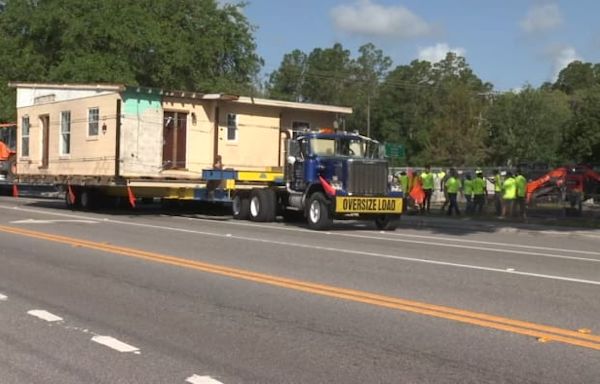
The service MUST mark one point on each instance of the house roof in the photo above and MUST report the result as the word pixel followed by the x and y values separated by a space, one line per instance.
pixel 97 87
pixel 189 95
pixel 293 105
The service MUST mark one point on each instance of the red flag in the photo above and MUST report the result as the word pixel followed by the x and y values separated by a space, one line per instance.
pixel 131 197
pixel 327 187
pixel 70 194
pixel 15 191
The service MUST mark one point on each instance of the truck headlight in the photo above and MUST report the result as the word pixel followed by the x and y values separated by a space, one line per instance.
pixel 336 183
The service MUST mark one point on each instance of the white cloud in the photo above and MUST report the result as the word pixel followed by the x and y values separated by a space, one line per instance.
pixel 541 18
pixel 366 17
pixel 562 57
pixel 438 52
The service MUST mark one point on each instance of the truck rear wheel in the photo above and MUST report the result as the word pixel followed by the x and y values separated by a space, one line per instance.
pixel 318 214
pixel 263 205
pixel 240 207
pixel 387 222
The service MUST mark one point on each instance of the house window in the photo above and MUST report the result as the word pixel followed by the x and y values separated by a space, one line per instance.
pixel 298 127
pixel 93 121
pixel 25 136
pixel 231 127
pixel 65 133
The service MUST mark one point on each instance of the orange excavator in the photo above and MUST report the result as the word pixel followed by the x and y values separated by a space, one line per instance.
pixel 574 184
pixel 8 143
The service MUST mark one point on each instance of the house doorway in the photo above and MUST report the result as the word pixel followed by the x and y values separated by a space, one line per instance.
pixel 174 140
pixel 45 124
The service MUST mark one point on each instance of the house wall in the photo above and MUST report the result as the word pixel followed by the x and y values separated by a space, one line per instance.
pixel 317 119
pixel 141 141
pixel 200 130
pixel 257 143
pixel 88 155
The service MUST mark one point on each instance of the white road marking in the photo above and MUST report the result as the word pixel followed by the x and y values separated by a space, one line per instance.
pixel 44 315
pixel 372 254
pixel 35 221
pixel 196 379
pixel 2 297
pixel 115 344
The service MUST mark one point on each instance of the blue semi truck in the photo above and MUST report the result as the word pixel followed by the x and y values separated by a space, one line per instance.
pixel 328 175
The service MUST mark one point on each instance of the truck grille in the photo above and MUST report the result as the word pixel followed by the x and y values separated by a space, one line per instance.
pixel 367 177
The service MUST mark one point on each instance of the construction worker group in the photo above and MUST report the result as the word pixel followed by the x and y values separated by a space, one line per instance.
pixel 509 191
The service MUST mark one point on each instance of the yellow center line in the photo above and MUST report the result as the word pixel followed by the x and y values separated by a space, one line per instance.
pixel 539 331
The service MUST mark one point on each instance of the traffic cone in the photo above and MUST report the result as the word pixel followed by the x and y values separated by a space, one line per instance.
pixel 15 191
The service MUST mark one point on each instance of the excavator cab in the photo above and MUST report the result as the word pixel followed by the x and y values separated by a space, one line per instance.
pixel 8 146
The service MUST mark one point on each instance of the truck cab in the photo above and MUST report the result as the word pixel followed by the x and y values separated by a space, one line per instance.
pixel 332 174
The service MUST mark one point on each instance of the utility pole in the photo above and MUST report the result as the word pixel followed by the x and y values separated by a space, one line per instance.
pixel 369 113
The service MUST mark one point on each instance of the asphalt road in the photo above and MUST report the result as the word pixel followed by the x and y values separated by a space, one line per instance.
pixel 158 297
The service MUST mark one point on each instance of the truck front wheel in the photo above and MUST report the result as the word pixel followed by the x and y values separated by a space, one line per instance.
pixel 387 222
pixel 318 214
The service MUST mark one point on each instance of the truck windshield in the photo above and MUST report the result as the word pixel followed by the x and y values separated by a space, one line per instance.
pixel 345 146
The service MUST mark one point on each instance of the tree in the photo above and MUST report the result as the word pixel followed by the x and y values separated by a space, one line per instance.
pixel 332 76
pixel 187 44
pixel 528 126
pixel 435 111
pixel 287 83
pixel 577 75
pixel 582 135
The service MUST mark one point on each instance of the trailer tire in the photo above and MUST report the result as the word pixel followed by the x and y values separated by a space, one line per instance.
pixel 387 222
pixel 86 199
pixel 263 205
pixel 317 212
pixel 240 207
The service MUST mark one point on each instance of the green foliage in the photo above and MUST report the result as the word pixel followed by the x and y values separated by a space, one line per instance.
pixel 332 76
pixel 435 111
pixel 173 44
pixel 528 127
pixel 582 135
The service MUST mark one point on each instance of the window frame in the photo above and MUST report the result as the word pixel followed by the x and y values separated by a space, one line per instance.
pixel 231 128
pixel 25 135
pixel 65 116
pixel 90 122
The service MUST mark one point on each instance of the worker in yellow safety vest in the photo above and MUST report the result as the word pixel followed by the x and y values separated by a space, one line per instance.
pixel 453 186
pixel 479 192
pixel 521 192
pixel 509 194
pixel 498 180
pixel 468 193
pixel 427 181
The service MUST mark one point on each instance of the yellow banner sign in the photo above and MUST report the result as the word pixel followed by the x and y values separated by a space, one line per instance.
pixel 349 204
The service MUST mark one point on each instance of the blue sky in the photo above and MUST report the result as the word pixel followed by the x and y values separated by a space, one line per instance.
pixel 509 43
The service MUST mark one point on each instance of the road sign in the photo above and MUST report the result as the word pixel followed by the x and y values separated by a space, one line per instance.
pixel 394 150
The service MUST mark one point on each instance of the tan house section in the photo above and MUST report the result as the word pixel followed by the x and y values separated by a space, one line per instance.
pixel 117 131
pixel 67 131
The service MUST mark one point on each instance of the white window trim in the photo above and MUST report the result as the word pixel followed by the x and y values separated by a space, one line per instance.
pixel 61 151
pixel 87 133
pixel 28 136
pixel 235 140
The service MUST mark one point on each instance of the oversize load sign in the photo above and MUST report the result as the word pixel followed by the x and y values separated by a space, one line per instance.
pixel 345 204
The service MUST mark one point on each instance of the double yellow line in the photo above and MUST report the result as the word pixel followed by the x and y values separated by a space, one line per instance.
pixel 541 332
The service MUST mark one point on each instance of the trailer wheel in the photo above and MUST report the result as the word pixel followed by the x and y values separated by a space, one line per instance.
pixel 263 205
pixel 318 214
pixel 86 199
pixel 387 222
pixel 240 207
